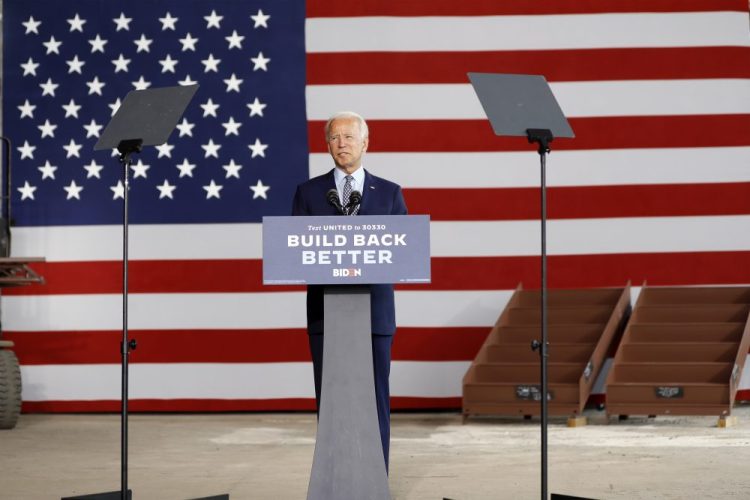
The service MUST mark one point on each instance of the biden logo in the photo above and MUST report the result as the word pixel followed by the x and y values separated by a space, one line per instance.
pixel 347 272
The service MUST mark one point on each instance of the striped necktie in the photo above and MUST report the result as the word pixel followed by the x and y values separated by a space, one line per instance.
pixel 347 193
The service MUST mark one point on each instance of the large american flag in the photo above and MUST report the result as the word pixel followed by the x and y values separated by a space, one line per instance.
pixel 656 185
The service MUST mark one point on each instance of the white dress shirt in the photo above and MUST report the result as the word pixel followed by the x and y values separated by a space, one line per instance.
pixel 358 183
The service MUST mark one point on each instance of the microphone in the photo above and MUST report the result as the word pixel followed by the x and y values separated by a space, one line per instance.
pixel 333 198
pixel 354 199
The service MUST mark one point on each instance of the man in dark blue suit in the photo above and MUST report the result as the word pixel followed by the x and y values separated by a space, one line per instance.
pixel 347 136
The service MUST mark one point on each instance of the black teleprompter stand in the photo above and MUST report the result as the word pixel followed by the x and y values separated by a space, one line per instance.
pixel 145 118
pixel 523 105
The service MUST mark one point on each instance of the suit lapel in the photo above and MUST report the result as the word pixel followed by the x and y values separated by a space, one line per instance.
pixel 328 184
pixel 368 193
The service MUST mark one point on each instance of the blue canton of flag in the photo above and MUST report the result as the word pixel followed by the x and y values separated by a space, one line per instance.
pixel 238 152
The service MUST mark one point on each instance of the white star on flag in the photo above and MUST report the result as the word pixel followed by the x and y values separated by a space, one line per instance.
pixel 233 83
pixel 140 169
pixel 186 168
pixel 75 65
pixel 141 84
pixel 168 64
pixel 95 86
pixel 97 44
pixel 118 190
pixel 121 64
pixel 235 40
pixel 232 127
pixel 213 20
pixel 29 67
pixel 258 149
pixel 92 129
pixel 187 81
pixel 27 191
pixel 31 25
pixel 259 190
pixel 185 128
pixel 212 190
pixel 165 150
pixel 53 46
pixel 27 109
pixel 73 190
pixel 122 22
pixel 233 169
pixel 166 190
pixel 209 108
pixel 188 43
pixel 93 169
pixel 115 106
pixel 27 150
pixel 72 149
pixel 47 129
pixel 47 170
pixel 260 62
pixel 211 149
pixel 71 109
pixel 256 107
pixel 49 87
pixel 143 44
pixel 168 23
pixel 76 24
pixel 211 64
pixel 260 19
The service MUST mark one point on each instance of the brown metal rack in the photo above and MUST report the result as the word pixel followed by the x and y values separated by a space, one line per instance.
pixel 682 353
pixel 13 272
pixel 16 271
pixel 504 377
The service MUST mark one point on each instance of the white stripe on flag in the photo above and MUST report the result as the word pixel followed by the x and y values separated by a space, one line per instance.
pixel 556 32
pixel 213 311
pixel 564 168
pixel 230 381
pixel 447 238
pixel 221 381
pixel 147 242
pixel 591 236
pixel 577 99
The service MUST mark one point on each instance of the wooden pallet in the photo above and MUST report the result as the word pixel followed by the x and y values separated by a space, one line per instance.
pixel 682 352
pixel 504 379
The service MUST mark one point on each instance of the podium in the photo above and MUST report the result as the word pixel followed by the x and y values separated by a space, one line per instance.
pixel 346 254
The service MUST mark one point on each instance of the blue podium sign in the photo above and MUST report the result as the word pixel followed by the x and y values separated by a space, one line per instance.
pixel 338 250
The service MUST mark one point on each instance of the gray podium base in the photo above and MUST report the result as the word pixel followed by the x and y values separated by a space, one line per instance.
pixel 348 463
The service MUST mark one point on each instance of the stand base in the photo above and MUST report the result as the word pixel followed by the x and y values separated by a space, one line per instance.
pixel 109 495
pixel 557 496
pixel 117 495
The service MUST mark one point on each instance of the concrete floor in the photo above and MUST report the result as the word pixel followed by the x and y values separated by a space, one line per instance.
pixel 268 456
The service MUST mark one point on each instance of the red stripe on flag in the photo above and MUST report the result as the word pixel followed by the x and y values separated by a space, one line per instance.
pixel 590 271
pixel 227 346
pixel 219 405
pixel 162 346
pixel 660 200
pixel 170 405
pixel 448 273
pixel 346 8
pixel 591 133
pixel 151 276
pixel 555 65
pixel 227 405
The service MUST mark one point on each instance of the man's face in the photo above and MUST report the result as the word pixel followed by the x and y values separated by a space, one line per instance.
pixel 346 145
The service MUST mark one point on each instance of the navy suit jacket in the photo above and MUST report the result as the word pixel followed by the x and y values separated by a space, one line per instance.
pixel 379 197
